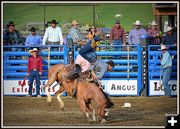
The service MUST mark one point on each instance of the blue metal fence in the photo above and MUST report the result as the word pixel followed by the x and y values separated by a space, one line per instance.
pixel 128 67
pixel 154 64
pixel 16 68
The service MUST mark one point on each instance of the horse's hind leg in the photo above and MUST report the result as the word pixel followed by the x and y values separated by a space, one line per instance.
pixel 46 87
pixel 58 96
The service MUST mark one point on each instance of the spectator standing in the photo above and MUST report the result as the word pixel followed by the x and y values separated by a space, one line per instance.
pixel 154 34
pixel 166 63
pixel 34 70
pixel 136 33
pixel 75 33
pixel 33 39
pixel 53 36
pixel 12 37
pixel 117 36
pixel 170 37
pixel 74 38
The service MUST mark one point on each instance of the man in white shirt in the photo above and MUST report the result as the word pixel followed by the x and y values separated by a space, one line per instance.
pixel 53 36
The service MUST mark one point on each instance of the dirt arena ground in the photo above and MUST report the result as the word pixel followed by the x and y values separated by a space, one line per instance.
pixel 33 111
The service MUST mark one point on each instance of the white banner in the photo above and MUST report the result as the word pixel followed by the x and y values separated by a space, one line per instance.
pixel 156 89
pixel 112 87
pixel 120 87
pixel 13 87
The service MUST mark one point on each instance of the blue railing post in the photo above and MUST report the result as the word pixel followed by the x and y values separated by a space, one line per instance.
pixel 66 51
pixel 139 69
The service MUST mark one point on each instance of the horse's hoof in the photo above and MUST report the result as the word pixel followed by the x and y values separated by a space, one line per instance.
pixel 103 121
pixel 62 109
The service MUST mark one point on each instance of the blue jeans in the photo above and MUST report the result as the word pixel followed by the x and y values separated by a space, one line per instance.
pixel 166 77
pixel 88 53
pixel 119 48
pixel 34 75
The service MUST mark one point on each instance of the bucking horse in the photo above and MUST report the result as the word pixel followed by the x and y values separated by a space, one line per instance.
pixel 85 92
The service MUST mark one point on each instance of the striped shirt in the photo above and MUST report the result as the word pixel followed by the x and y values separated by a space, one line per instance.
pixel 75 34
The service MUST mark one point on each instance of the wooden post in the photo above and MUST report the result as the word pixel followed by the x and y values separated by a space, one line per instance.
pixel 159 21
pixel 171 19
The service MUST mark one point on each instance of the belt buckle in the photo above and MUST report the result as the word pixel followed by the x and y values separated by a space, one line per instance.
pixel 34 69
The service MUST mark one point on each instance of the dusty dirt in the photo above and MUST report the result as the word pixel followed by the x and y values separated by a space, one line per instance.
pixel 33 111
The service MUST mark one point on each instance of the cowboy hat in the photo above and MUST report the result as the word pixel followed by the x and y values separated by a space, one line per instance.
pixel 137 23
pixel 153 23
pixel 54 22
pixel 11 23
pixel 33 50
pixel 33 29
pixel 163 47
pixel 74 22
pixel 126 105
pixel 169 28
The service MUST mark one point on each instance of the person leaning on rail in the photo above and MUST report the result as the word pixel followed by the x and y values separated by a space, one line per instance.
pixel 33 39
pixel 135 34
pixel 53 36
pixel 118 37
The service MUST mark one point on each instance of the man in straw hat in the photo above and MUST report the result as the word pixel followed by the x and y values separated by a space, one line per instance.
pixel 170 38
pixel 34 70
pixel 136 33
pixel 33 39
pixel 166 63
pixel 74 38
pixel 154 34
pixel 75 32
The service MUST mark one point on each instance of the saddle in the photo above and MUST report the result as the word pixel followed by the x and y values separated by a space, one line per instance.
pixel 75 73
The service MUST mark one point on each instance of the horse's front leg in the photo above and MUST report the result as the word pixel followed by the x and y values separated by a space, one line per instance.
pixel 58 96
pixel 93 112
pixel 84 108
